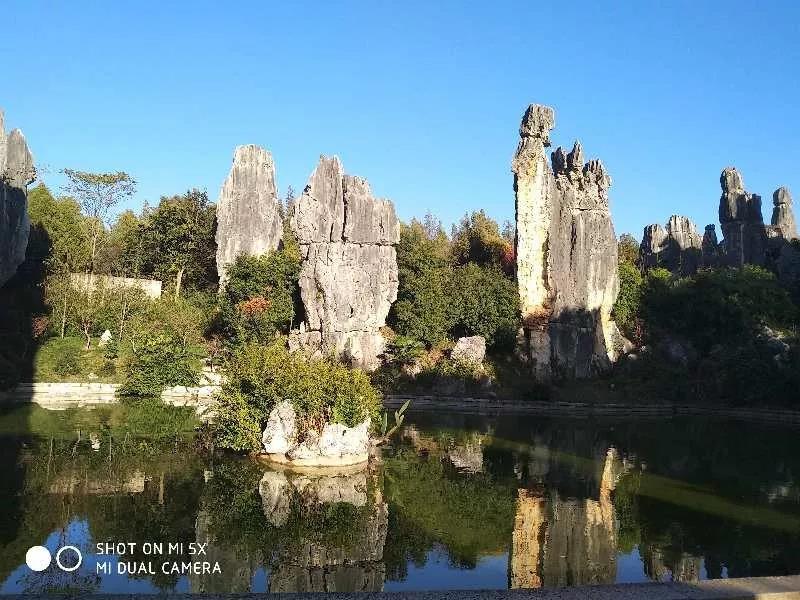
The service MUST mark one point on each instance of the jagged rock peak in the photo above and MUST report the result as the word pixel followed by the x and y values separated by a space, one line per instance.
pixel 559 160
pixel 537 122
pixel 575 158
pixel 248 210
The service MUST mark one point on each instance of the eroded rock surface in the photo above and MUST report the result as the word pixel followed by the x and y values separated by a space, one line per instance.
pixel 566 255
pixel 348 275
pixel 335 445
pixel 16 172
pixel 783 214
pixel 677 247
pixel 743 230
pixel 248 215
pixel 470 349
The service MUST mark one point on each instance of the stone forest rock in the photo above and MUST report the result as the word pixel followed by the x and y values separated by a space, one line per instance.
pixel 743 230
pixel 566 255
pixel 16 172
pixel 470 349
pixel 710 246
pixel 248 211
pixel 783 214
pixel 335 445
pixel 677 247
pixel 348 275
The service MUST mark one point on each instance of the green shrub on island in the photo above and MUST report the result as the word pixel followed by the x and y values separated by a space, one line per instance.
pixel 157 363
pixel 321 390
pixel 68 361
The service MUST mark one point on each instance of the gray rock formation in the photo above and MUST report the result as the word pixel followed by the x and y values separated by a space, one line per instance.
pixel 335 445
pixel 248 215
pixel 745 237
pixel 783 214
pixel 710 246
pixel 16 172
pixel 470 349
pixel 348 275
pixel 677 247
pixel 566 254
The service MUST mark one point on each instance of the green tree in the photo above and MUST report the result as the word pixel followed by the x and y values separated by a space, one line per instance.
pixel 477 239
pixel 483 301
pixel 97 194
pixel 627 308
pixel 628 249
pixel 176 240
pixel 421 310
pixel 122 252
pixel 58 239
pixel 260 294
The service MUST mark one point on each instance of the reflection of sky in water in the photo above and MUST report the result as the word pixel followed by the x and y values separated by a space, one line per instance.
pixel 439 574
pixel 77 534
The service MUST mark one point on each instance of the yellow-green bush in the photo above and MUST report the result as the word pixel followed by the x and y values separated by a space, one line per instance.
pixel 320 389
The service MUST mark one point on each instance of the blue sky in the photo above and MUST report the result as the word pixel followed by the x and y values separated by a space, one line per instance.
pixel 422 98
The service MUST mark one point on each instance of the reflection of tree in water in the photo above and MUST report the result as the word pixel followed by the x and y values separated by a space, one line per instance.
pixel 123 487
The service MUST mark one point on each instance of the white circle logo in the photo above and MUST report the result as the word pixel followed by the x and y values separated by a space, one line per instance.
pixel 73 567
pixel 38 558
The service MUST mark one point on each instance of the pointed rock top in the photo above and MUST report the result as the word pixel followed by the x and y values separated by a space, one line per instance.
pixel 575 157
pixel 559 160
pixel 537 122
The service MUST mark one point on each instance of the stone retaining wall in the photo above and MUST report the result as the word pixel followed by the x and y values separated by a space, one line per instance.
pixel 71 395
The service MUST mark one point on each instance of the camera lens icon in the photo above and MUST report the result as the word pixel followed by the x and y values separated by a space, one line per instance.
pixel 38 558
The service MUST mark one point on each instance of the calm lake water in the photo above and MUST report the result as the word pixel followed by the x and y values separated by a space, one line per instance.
pixel 456 502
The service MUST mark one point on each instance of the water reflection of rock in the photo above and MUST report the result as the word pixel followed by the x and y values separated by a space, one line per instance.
pixel 237 568
pixel 312 565
pixel 683 568
pixel 465 454
pixel 564 541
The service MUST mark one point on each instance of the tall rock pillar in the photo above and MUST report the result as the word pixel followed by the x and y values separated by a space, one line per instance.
pixel 348 274
pixel 745 237
pixel 16 172
pixel 566 254
pixel 248 215
pixel 783 214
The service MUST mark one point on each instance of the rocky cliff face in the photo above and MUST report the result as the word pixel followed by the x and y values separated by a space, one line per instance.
pixel 783 214
pixel 743 230
pixel 16 172
pixel 566 255
pixel 677 247
pixel 348 276
pixel 248 216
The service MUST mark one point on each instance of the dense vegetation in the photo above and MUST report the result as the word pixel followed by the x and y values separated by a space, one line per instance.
pixel 721 335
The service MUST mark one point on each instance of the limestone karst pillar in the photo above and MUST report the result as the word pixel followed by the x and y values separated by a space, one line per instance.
pixel 783 214
pixel 742 223
pixel 248 211
pixel 16 172
pixel 348 274
pixel 566 255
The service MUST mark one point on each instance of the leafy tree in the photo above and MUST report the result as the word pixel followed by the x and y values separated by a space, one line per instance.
pixel 483 301
pixel 97 194
pixel 122 252
pixel 477 240
pixel 628 305
pixel 176 240
pixel 421 310
pixel 260 294
pixel 628 249
pixel 58 237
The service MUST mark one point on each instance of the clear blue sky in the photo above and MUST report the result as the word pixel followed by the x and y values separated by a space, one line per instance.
pixel 422 98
